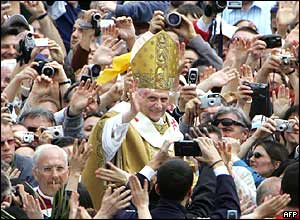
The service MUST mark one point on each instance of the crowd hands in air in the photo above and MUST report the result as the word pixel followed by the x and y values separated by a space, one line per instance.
pixel 66 138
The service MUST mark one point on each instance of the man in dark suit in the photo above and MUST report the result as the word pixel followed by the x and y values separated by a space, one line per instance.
pixel 174 185
pixel 22 163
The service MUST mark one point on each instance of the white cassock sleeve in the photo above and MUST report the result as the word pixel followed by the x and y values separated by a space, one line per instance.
pixel 114 133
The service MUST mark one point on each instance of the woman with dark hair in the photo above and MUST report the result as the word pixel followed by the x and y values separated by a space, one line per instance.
pixel 267 157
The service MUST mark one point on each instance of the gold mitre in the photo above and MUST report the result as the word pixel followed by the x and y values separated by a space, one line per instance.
pixel 155 64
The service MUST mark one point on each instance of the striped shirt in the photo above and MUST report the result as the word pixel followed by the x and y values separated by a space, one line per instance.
pixel 259 13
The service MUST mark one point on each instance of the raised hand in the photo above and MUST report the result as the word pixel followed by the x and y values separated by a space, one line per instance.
pixel 192 111
pixel 13 173
pixel 125 27
pixel 210 154
pixel 56 51
pixel 282 101
pixel 140 197
pixel 36 8
pixel 83 96
pixel 74 204
pixel 157 22
pixel 222 77
pixel 79 156
pixel 161 156
pixel 268 127
pixel 32 207
pixel 114 175
pixel 113 201
pixel 287 13
pixel 186 93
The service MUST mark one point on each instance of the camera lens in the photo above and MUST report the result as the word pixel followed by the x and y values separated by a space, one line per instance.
pixel 29 35
pixel 96 16
pixel 56 133
pixel 48 71
pixel 174 19
pixel 221 4
pixel 211 102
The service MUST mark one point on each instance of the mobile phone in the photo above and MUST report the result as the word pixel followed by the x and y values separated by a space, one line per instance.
pixel 232 214
pixel 187 148
pixel 41 42
pixel 272 40
pixel 193 76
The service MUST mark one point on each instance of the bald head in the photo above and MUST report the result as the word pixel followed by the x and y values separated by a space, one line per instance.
pixel 270 186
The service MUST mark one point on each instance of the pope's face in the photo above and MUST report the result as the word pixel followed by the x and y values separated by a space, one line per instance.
pixel 155 104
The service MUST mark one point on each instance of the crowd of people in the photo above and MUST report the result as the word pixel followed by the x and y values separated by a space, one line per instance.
pixel 149 109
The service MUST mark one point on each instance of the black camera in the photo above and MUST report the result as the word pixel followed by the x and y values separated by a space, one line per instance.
pixel 95 21
pixel 272 40
pixel 215 8
pixel 85 78
pixel 94 70
pixel 187 148
pixel 257 88
pixel 173 19
pixel 25 48
pixel 41 67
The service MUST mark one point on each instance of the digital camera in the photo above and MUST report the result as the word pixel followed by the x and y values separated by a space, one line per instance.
pixel 283 125
pixel 210 100
pixel 288 60
pixel 234 4
pixel 55 131
pixel 173 19
pixel 187 148
pixel 25 47
pixel 272 40
pixel 42 69
pixel 28 137
pixel 258 89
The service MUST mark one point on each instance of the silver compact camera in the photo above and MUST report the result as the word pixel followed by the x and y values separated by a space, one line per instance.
pixel 288 60
pixel 282 125
pixel 210 100
pixel 28 137
pixel 55 131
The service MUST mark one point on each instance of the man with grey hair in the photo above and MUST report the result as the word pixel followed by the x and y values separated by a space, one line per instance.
pixel 50 168
pixel 270 186
pixel 233 122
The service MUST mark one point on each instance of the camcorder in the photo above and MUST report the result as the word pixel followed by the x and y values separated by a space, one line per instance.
pixel 210 100
pixel 94 70
pixel 272 40
pixel 258 89
pixel 55 131
pixel 96 23
pixel 283 125
pixel 288 60
pixel 193 76
pixel 25 48
pixel 42 68
pixel 187 148
pixel 173 19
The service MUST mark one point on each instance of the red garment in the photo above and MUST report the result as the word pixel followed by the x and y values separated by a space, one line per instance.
pixel 203 34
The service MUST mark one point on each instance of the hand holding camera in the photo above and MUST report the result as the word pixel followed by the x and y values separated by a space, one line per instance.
pixel 210 154
pixel 186 27
pixel 191 111
pixel 157 22
pixel 126 27
pixel 268 128
pixel 210 100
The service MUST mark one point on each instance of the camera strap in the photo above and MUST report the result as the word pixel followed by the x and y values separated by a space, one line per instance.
pixel 220 39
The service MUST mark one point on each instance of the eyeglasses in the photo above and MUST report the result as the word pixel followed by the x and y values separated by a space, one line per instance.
pixel 227 122
pixel 8 141
pixel 49 169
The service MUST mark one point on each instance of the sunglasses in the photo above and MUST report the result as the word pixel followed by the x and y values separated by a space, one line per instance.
pixel 257 155
pixel 9 142
pixel 227 122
